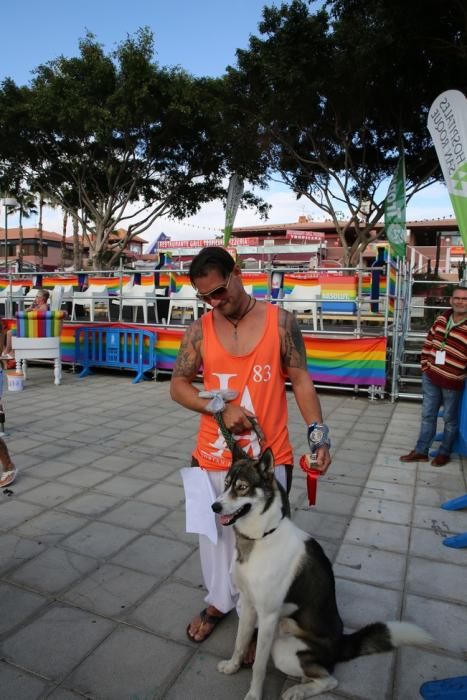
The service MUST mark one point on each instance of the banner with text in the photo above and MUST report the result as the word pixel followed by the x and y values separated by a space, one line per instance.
pixel 447 124
pixel 394 212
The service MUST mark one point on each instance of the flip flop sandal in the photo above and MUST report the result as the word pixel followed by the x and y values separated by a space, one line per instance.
pixel 206 618
pixel 8 477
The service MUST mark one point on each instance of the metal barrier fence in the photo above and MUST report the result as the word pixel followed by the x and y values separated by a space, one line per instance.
pixel 121 348
pixel 380 303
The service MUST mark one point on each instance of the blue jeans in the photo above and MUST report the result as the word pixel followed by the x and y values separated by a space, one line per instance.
pixel 433 398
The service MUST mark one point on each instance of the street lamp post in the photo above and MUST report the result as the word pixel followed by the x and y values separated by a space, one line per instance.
pixel 7 202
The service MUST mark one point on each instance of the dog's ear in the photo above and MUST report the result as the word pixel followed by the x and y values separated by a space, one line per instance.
pixel 237 452
pixel 266 462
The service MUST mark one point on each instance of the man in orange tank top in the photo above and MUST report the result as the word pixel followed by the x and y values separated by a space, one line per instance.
pixel 246 349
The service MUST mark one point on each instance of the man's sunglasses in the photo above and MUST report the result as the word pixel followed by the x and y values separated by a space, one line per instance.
pixel 217 292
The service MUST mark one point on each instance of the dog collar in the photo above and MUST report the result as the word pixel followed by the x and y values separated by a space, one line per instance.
pixel 265 534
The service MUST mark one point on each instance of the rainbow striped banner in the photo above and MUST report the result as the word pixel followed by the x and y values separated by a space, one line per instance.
pixel 147 280
pixel 338 293
pixel 366 285
pixel 164 279
pixel 330 361
pixel 52 282
pixel 259 283
pixel 350 361
pixel 307 281
pixel 178 281
pixel 112 283
pixel 366 288
pixel 167 347
pixel 15 284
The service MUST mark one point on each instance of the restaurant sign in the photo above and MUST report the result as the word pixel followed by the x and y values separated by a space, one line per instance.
pixel 308 236
pixel 169 245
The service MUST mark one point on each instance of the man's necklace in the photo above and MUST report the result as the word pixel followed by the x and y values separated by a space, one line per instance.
pixel 235 323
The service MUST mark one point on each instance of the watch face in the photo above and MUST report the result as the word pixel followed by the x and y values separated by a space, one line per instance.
pixel 316 435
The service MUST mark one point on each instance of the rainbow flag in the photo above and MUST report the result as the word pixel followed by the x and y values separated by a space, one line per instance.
pixel 164 279
pixel 178 281
pixel 350 361
pixel 338 293
pixel 15 284
pixel 259 283
pixel 310 281
pixel 366 285
pixel 52 282
pixel 147 280
pixel 112 283
pixel 167 347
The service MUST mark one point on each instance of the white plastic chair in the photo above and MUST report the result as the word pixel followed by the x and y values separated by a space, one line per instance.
pixel 56 298
pixel 302 299
pixel 137 297
pixel 17 297
pixel 37 347
pixel 184 299
pixel 95 294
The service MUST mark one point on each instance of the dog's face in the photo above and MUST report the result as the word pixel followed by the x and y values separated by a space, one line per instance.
pixel 249 486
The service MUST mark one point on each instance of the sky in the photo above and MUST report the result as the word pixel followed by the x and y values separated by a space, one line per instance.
pixel 201 36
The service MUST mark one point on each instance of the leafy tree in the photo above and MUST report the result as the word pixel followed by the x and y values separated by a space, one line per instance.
pixel 116 140
pixel 335 96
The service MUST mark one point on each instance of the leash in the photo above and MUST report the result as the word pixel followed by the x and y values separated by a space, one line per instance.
pixel 228 436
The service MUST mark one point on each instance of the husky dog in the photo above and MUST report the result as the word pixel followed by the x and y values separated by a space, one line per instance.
pixel 287 589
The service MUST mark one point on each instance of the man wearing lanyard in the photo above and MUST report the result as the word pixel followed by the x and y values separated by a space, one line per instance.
pixel 444 367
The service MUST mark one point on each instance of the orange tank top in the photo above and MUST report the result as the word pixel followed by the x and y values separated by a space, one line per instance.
pixel 260 382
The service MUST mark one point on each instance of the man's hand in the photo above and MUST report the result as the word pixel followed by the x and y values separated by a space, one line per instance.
pixel 323 459
pixel 235 418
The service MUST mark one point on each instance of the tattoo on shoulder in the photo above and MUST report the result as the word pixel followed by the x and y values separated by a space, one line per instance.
pixel 293 347
pixel 188 359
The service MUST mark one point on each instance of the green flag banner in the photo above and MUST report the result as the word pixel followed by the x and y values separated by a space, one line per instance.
pixel 447 124
pixel 234 195
pixel 394 212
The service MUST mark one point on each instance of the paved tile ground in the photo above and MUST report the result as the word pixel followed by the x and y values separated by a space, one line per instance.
pixel 98 579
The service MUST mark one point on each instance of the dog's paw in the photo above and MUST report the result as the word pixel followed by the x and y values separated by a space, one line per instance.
pixel 310 689
pixel 228 666
pixel 294 693
pixel 252 696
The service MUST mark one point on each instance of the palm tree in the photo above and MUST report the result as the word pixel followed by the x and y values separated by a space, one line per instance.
pixel 26 207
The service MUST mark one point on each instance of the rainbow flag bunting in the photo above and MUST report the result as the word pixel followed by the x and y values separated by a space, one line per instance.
pixel 52 282
pixel 350 361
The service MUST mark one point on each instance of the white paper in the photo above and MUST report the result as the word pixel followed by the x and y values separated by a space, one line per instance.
pixel 199 496
pixel 440 357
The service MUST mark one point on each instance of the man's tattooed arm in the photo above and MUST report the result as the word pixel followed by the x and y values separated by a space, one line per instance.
pixel 292 345
pixel 189 357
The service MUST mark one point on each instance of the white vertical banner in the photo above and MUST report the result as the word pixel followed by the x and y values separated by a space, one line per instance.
pixel 447 124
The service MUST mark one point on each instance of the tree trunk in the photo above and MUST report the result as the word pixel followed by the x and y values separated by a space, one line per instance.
pixel 64 227
pixel 77 258
pixel 20 252
pixel 41 234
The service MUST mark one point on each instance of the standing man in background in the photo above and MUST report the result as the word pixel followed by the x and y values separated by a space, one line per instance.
pixel 444 368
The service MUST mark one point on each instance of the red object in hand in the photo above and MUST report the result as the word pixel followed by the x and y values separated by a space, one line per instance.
pixel 312 475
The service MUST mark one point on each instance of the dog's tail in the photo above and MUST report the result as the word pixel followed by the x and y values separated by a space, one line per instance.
pixel 379 637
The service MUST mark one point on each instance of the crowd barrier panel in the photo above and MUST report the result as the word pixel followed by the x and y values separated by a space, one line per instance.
pixel 122 348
